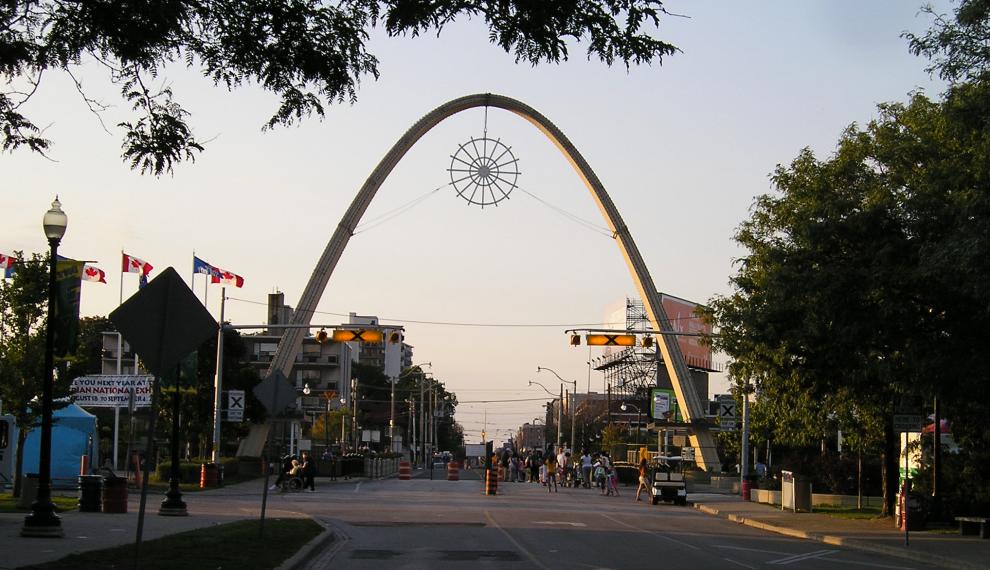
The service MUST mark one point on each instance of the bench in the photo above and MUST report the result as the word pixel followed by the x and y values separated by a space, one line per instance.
pixel 974 525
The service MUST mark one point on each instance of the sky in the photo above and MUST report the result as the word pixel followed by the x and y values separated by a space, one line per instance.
pixel 485 295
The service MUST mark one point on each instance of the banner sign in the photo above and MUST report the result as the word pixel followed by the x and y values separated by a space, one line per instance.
pixel 112 391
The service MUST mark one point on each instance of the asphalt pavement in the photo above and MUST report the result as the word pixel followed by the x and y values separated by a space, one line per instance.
pixel 426 523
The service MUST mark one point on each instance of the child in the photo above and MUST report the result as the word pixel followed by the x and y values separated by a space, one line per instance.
pixel 613 481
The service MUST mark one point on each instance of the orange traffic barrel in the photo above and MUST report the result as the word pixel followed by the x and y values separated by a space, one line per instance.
pixel 208 476
pixel 453 471
pixel 115 495
pixel 405 471
pixel 491 482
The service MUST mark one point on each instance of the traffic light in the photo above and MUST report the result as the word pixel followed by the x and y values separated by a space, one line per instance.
pixel 355 335
pixel 394 337
pixel 575 340
pixel 611 340
pixel 647 342
pixel 321 336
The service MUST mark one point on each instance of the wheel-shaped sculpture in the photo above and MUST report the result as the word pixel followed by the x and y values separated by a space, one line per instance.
pixel 484 171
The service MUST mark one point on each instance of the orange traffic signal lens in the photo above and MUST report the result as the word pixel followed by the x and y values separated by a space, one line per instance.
pixel 611 340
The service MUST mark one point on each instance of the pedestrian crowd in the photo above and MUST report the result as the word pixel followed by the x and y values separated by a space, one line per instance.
pixel 562 469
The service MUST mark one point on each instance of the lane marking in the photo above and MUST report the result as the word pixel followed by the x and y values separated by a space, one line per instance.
pixel 760 550
pixel 654 533
pixel 739 563
pixel 561 523
pixel 530 555
pixel 358 486
pixel 799 557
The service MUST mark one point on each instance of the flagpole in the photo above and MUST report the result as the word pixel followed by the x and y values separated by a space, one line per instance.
pixel 192 278
pixel 218 383
pixel 120 299
pixel 120 357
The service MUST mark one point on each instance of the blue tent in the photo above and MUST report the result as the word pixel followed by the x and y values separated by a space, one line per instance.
pixel 73 435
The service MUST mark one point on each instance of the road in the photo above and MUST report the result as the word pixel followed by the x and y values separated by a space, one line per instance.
pixel 444 524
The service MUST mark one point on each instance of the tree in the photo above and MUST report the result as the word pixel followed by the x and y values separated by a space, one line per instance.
pixel 309 52
pixel 866 277
pixel 957 47
pixel 23 324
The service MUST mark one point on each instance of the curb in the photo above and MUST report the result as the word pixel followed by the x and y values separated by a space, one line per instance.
pixel 853 543
pixel 302 558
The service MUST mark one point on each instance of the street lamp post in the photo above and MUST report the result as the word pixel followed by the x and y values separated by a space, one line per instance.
pixel 560 407
pixel 572 382
pixel 43 522
pixel 639 415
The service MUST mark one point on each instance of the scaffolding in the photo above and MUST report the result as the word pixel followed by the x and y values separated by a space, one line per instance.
pixel 632 372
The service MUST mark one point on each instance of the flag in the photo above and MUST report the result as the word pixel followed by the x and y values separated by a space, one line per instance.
pixel 142 281
pixel 200 266
pixel 92 273
pixel 134 265
pixel 7 265
pixel 226 278
pixel 68 274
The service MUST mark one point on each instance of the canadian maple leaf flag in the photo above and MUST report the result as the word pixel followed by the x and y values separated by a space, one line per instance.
pixel 91 273
pixel 226 277
pixel 132 264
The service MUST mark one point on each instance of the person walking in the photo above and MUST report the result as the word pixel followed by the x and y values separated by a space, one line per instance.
pixel 586 469
pixel 642 479
pixel 613 481
pixel 308 471
pixel 551 464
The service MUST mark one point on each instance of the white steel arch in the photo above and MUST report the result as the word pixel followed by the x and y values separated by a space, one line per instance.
pixel 693 407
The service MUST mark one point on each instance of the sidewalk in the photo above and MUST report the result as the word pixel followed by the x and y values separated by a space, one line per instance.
pixel 937 548
pixel 94 531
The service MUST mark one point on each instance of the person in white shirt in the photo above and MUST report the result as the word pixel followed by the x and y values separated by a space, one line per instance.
pixel 586 469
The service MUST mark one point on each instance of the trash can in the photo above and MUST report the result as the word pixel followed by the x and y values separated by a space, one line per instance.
pixel 115 495
pixel 90 490
pixel 208 476
pixel 29 491
pixel 795 492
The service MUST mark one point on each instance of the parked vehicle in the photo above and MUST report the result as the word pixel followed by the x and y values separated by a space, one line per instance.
pixel 667 481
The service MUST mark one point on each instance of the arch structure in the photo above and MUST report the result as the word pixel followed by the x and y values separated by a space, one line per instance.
pixel 693 407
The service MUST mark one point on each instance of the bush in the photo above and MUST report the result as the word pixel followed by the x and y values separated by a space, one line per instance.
pixel 188 472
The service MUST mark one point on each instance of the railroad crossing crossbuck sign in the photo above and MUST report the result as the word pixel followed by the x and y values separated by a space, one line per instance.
pixel 235 405
pixel 727 412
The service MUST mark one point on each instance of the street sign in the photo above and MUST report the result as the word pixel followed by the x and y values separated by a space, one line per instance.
pixel 275 393
pixel 611 339
pixel 908 422
pixel 235 405
pixel 163 322
pixel 727 412
pixel 687 454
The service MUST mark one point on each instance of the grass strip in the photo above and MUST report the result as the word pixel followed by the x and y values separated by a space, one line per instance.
pixel 234 545
pixel 865 513
pixel 8 504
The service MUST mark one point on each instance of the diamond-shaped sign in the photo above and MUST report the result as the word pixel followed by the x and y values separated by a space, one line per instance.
pixel 163 322
pixel 275 393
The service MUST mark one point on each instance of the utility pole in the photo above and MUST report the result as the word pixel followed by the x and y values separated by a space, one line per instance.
pixel 744 447
pixel 572 409
pixel 422 426
pixel 354 411
pixel 433 418
pixel 560 409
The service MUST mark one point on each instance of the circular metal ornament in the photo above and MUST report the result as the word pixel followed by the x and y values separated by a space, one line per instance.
pixel 484 171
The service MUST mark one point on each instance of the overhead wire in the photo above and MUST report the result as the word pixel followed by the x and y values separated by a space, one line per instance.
pixel 395 212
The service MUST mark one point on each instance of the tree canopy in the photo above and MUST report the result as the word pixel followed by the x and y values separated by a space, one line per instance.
pixel 310 53
pixel 866 277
